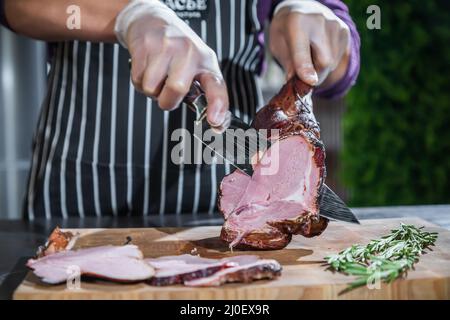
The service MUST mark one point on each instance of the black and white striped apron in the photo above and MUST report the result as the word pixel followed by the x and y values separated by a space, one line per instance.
pixel 101 148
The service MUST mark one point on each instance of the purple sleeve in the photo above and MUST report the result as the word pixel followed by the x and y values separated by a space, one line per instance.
pixel 265 9
pixel 340 88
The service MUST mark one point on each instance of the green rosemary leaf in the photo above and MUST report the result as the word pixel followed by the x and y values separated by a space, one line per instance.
pixel 384 259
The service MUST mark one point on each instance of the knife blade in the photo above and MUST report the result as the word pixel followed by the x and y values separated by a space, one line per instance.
pixel 196 101
pixel 331 206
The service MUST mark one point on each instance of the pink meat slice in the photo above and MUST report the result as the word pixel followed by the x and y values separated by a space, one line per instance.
pixel 178 269
pixel 179 261
pixel 247 271
pixel 263 211
pixel 295 176
pixel 233 186
pixel 117 263
pixel 260 202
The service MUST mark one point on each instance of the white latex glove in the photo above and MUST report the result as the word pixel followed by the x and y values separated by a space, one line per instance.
pixel 167 55
pixel 309 40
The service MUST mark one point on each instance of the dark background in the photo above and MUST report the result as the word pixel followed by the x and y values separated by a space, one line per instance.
pixel 397 124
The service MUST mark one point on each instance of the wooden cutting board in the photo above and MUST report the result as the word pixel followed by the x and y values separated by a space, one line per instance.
pixel 303 276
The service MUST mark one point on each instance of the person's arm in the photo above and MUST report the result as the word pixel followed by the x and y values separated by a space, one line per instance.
pixel 318 41
pixel 47 19
pixel 167 55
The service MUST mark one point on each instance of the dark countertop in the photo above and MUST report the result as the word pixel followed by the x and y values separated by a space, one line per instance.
pixel 20 239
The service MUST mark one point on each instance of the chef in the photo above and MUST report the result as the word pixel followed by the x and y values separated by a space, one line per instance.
pixel 103 140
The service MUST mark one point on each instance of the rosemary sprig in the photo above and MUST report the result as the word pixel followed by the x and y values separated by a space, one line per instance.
pixel 384 259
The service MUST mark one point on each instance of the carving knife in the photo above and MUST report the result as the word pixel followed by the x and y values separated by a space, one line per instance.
pixel 196 101
pixel 331 205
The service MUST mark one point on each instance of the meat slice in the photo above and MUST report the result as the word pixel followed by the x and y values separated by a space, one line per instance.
pixel 245 271
pixel 57 241
pixel 263 211
pixel 172 270
pixel 117 263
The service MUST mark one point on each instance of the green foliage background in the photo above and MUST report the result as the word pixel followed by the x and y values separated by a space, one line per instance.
pixel 397 124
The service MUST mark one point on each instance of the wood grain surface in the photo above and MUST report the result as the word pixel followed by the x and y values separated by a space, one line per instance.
pixel 303 276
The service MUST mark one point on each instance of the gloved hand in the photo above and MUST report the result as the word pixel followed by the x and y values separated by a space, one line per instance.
pixel 167 55
pixel 309 40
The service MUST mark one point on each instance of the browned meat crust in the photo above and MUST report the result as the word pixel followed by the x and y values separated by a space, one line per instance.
pixel 264 269
pixel 57 241
pixel 183 277
pixel 292 115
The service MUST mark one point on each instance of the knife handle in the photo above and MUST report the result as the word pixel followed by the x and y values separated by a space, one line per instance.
pixel 196 101
pixel 195 91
